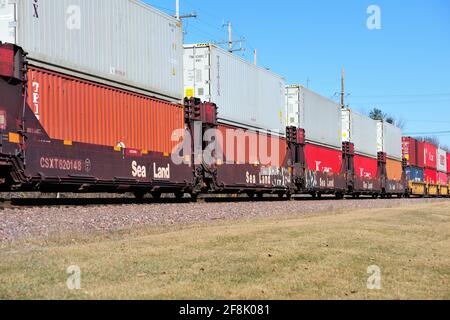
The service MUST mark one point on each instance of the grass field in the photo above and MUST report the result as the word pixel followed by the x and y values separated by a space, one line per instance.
pixel 322 256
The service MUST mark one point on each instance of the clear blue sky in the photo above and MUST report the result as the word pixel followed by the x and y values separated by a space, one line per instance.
pixel 404 68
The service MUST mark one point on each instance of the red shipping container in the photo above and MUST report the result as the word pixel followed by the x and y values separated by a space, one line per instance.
pixel 448 163
pixel 365 167
pixel 420 154
pixel 323 159
pixel 78 110
pixel 409 149
pixel 430 176
pixel 251 147
pixel 430 156
pixel 442 178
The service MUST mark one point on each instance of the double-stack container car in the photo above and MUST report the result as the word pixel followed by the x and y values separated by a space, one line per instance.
pixel 389 145
pixel 94 103
pixel 251 120
pixel 319 117
pixel 102 96
pixel 361 132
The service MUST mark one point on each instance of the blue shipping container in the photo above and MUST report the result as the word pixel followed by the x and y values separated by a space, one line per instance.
pixel 415 174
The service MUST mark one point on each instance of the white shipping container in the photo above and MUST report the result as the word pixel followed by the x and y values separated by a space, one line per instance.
pixel 361 131
pixel 318 116
pixel 389 140
pixel 442 160
pixel 121 41
pixel 246 95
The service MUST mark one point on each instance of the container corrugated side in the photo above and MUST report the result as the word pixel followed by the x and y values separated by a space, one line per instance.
pixel 246 95
pixel 389 140
pixel 323 159
pixel 409 146
pixel 252 147
pixel 394 169
pixel 414 174
pixel 448 162
pixel 81 111
pixel 319 116
pixel 430 155
pixel 442 160
pixel 365 167
pixel 361 131
pixel 125 41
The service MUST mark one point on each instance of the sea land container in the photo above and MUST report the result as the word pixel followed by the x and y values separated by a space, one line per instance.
pixel 320 117
pixel 431 176
pixel 247 96
pixel 409 150
pixel 361 131
pixel 441 160
pixel 73 109
pixel 389 140
pixel 121 43
pixel 414 174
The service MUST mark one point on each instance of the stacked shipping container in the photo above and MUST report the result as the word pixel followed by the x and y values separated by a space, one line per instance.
pixel 118 42
pixel 389 141
pixel 415 168
pixel 362 132
pixel 320 118
pixel 442 167
pixel 247 96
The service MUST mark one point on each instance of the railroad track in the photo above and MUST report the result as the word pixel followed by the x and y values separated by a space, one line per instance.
pixel 18 203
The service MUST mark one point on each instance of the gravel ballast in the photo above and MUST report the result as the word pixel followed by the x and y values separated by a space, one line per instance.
pixel 40 223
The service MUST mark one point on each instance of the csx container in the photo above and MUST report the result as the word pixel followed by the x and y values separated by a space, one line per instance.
pixel 319 116
pixel 246 95
pixel 441 160
pixel 414 174
pixel 77 110
pixel 122 41
pixel 361 131
pixel 389 140
pixel 409 150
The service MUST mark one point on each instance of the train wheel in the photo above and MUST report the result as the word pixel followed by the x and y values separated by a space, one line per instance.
pixel 375 196
pixel 179 195
pixel 156 195
pixel 339 195
pixel 194 197
pixel 251 194
pixel 139 195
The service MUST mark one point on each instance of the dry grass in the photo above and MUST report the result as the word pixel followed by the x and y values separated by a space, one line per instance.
pixel 324 256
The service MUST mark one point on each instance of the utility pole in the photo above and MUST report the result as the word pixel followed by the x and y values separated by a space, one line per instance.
pixel 177 12
pixel 255 57
pixel 230 37
pixel 343 88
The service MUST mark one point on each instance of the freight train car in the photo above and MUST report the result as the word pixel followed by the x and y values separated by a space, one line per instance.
pixel 83 111
pixel 61 133
pixel 320 146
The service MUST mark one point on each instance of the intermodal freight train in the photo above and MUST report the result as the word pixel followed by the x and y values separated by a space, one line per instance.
pixel 95 106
